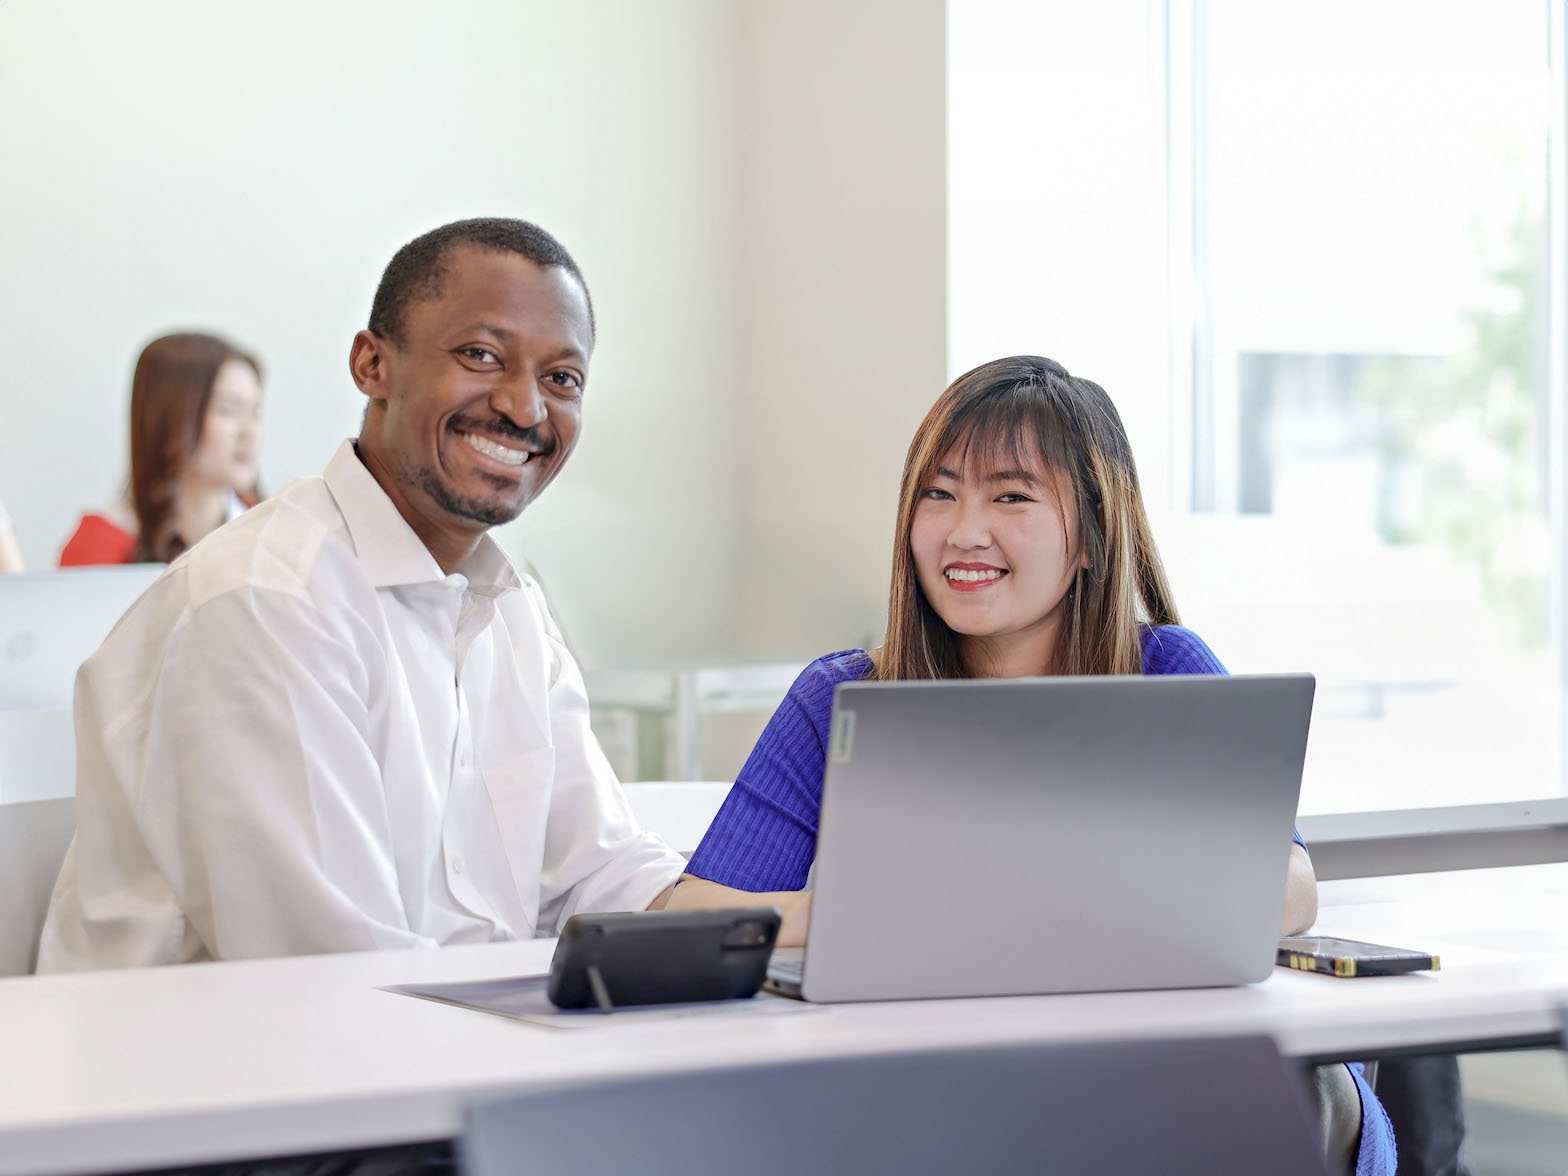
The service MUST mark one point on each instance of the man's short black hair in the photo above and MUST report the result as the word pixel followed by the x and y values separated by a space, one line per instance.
pixel 418 270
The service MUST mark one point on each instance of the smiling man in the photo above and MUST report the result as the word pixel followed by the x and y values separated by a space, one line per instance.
pixel 344 721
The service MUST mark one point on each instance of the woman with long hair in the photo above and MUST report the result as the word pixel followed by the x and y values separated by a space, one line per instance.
pixel 195 439
pixel 1022 548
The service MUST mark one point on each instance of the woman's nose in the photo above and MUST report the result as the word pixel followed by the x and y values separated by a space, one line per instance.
pixel 971 528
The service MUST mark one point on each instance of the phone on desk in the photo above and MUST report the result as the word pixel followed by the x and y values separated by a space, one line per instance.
pixel 1350 957
pixel 661 957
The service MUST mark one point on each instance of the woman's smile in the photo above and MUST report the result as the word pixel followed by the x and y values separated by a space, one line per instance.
pixel 972 577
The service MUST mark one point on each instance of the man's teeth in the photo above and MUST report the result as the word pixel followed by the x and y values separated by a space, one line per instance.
pixel 968 577
pixel 495 449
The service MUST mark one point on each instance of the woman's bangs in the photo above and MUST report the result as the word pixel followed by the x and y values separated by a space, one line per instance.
pixel 1010 429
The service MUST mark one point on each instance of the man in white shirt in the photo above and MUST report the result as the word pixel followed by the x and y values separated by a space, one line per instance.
pixel 344 721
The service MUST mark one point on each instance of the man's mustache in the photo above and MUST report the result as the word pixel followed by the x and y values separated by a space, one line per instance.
pixel 502 429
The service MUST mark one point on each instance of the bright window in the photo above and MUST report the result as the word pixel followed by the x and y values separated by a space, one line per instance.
pixel 1348 448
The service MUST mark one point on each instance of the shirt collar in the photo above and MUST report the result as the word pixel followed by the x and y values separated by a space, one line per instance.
pixel 387 546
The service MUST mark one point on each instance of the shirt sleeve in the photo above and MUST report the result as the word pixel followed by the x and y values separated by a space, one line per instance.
pixel 596 857
pixel 1172 649
pixel 236 788
pixel 765 834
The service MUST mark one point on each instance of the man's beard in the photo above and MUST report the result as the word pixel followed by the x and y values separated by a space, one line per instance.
pixel 490 513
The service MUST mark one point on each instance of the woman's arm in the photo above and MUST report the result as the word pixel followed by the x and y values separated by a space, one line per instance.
pixel 692 893
pixel 763 840
pixel 1301 894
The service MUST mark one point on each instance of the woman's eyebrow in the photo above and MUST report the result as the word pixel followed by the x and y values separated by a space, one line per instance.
pixel 1013 476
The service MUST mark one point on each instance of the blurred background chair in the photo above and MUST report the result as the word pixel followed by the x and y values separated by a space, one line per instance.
pixel 667 706
pixel 33 839
pixel 679 811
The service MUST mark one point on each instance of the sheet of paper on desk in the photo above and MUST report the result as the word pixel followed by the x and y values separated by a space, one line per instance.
pixel 522 998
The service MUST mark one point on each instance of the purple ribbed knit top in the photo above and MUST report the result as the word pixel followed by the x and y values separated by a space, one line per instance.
pixel 765 835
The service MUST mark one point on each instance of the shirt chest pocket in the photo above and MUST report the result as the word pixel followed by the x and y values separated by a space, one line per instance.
pixel 518 790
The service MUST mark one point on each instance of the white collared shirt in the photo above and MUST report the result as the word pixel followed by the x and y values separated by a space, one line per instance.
pixel 306 738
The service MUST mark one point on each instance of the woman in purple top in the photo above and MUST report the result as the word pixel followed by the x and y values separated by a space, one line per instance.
pixel 1022 549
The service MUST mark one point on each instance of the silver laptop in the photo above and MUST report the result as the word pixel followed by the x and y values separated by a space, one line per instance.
pixel 999 837
pixel 51 622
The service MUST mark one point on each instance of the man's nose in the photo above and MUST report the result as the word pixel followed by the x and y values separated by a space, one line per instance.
pixel 520 400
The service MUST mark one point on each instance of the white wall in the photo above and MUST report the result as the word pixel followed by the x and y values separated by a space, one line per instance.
pixel 1057 229
pixel 753 189
pixel 251 168
pixel 844 304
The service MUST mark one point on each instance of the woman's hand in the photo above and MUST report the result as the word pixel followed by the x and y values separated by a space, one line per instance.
pixel 1301 894
pixel 693 893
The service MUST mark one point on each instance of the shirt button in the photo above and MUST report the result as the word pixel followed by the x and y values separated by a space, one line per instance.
pixel 458 865
pixel 462 760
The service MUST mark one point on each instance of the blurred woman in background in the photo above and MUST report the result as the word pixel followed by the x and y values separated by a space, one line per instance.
pixel 10 553
pixel 195 441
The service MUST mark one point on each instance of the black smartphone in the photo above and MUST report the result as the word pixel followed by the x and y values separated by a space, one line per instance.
pixel 661 957
pixel 1350 957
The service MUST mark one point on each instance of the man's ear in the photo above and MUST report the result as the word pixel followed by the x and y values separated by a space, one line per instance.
pixel 367 364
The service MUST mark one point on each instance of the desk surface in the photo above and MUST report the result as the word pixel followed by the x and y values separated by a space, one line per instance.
pixel 217 1061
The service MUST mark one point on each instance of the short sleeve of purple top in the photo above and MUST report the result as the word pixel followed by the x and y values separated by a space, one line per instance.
pixel 765 835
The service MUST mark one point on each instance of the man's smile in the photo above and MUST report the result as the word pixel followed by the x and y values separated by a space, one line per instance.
pixel 507 453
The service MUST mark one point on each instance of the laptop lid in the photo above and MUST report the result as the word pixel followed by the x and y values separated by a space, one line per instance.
pixel 51 622
pixel 1179 1107
pixel 991 837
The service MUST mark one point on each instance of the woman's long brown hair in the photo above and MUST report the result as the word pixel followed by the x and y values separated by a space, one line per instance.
pixel 1016 413
pixel 169 396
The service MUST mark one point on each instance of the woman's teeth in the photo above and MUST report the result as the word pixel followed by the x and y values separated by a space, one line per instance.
pixel 966 576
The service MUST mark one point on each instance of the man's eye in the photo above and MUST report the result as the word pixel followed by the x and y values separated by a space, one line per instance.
pixel 480 354
pixel 565 379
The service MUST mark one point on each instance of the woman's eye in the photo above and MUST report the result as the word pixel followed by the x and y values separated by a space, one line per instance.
pixel 936 494
pixel 1013 496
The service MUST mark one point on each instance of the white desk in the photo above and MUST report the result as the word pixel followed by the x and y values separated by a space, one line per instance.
pixel 220 1061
